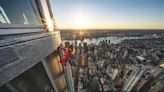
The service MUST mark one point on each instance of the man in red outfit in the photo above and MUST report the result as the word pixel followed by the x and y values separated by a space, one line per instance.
pixel 66 55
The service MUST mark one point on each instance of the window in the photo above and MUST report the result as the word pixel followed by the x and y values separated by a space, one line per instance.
pixel 57 71
pixel 61 83
pixel 4 89
pixel 66 90
pixel 33 80
pixel 54 64
pixel 19 12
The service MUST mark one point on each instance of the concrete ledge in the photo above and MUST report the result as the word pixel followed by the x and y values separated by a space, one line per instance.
pixel 24 53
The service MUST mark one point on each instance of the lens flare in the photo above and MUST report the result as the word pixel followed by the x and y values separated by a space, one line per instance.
pixel 50 24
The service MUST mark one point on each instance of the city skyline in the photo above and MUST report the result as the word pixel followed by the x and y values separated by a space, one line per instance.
pixel 108 14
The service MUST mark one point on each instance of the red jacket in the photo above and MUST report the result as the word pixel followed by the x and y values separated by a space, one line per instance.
pixel 66 56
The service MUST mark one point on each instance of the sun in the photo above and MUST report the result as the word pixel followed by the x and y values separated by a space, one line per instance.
pixel 80 21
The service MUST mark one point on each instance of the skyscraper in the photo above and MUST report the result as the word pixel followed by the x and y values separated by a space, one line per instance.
pixel 29 49
pixel 133 78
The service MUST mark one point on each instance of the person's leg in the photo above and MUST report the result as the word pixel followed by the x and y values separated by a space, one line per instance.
pixel 65 63
pixel 70 62
pixel 62 61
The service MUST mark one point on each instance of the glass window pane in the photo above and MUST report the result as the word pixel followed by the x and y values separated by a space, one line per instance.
pixel 4 89
pixel 33 80
pixel 19 12
pixel 61 83
pixel 54 64
pixel 66 90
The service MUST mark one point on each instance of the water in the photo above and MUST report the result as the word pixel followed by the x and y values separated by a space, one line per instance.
pixel 96 41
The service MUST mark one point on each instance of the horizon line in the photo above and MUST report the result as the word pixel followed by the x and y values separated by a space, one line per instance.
pixel 107 29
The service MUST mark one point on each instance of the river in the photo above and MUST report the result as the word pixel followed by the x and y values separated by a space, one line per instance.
pixel 113 39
